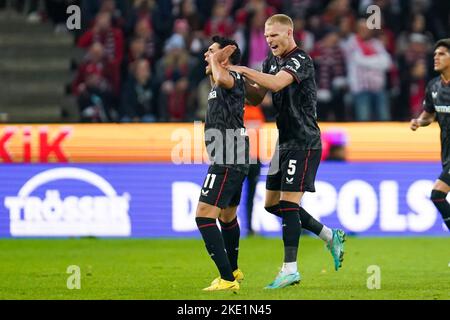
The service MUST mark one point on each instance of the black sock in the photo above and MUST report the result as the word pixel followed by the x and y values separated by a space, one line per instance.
pixel 309 223
pixel 307 220
pixel 215 247
pixel 274 210
pixel 291 229
pixel 441 203
pixel 230 234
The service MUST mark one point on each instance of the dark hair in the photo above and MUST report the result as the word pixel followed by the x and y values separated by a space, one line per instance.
pixel 235 58
pixel 443 43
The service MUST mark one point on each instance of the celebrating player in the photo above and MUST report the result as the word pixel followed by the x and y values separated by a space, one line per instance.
pixel 227 145
pixel 437 104
pixel 289 73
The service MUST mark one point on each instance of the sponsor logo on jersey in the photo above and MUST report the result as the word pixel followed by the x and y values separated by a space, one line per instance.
pixel 301 57
pixel 297 63
pixel 212 95
pixel 291 68
pixel 273 68
pixel 205 193
pixel 443 109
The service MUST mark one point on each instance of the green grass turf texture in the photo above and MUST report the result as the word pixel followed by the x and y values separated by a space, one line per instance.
pixel 411 268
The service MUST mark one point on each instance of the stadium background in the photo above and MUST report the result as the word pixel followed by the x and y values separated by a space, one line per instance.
pixel 378 183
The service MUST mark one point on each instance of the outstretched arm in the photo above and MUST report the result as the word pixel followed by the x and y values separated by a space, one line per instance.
pixel 254 93
pixel 425 119
pixel 219 73
pixel 221 76
pixel 271 82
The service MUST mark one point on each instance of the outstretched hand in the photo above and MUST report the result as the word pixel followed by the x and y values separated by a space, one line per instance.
pixel 415 124
pixel 224 53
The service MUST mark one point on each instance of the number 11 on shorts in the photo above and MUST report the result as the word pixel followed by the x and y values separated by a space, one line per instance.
pixel 210 178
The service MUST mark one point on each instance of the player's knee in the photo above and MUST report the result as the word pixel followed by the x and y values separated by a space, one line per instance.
pixel 205 211
pixel 228 215
pixel 201 212
pixel 275 209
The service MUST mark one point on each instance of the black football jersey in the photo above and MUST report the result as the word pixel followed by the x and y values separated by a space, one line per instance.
pixel 296 104
pixel 226 138
pixel 437 100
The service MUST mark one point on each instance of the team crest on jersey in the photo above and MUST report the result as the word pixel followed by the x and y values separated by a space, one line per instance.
pixel 434 94
pixel 212 95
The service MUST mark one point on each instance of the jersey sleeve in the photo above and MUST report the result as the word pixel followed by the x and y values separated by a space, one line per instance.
pixel 428 104
pixel 237 77
pixel 300 67
pixel 238 81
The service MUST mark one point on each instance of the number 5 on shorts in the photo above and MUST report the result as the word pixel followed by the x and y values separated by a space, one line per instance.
pixel 291 167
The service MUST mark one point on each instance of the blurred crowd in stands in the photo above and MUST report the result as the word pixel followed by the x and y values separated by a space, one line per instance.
pixel 144 59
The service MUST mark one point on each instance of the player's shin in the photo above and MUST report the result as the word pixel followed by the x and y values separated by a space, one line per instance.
pixel 441 203
pixel 215 246
pixel 291 234
pixel 314 226
pixel 231 233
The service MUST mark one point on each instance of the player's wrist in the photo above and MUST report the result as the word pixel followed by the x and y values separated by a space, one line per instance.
pixel 423 122
pixel 245 71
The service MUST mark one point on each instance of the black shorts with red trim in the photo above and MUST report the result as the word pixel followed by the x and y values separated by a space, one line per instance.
pixel 222 187
pixel 445 175
pixel 293 170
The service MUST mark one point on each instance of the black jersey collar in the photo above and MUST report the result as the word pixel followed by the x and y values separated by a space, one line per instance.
pixel 287 55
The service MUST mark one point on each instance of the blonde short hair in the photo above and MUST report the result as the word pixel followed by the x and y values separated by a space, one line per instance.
pixel 281 19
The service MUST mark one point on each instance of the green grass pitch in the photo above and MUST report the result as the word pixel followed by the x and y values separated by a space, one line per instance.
pixel 411 268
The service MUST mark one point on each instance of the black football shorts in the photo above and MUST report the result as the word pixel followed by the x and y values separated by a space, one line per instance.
pixel 295 171
pixel 445 175
pixel 222 187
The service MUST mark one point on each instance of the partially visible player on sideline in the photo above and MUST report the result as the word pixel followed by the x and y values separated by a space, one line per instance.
pixel 222 187
pixel 289 73
pixel 437 105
